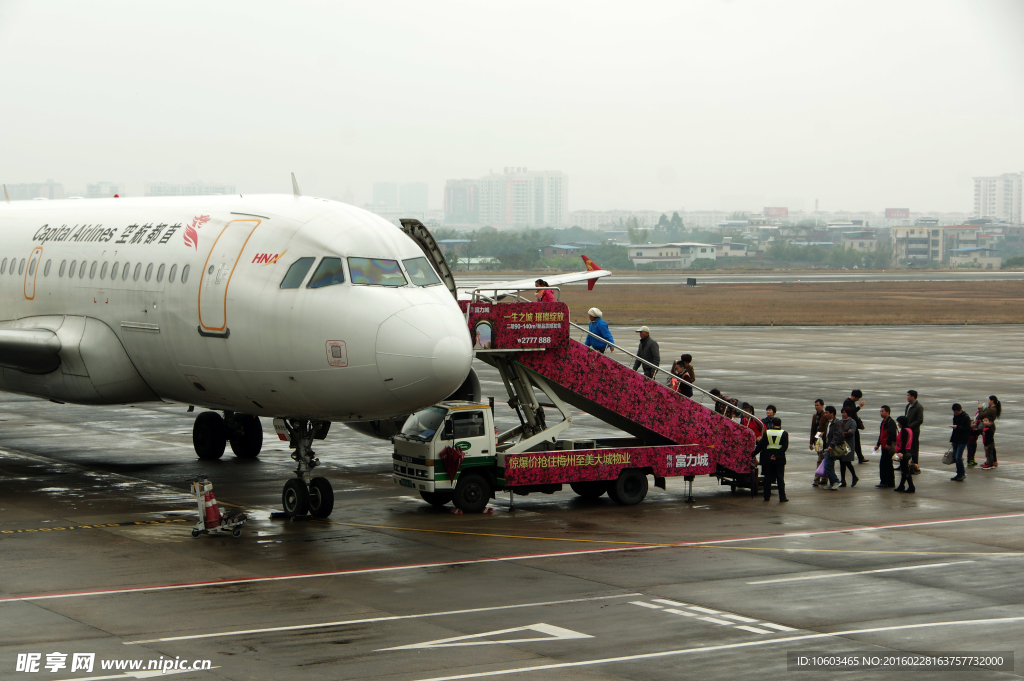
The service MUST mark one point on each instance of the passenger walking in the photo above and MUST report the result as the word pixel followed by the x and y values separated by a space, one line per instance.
pixel 773 446
pixel 648 351
pixel 904 444
pixel 915 417
pixel 993 410
pixel 988 439
pixel 817 422
pixel 544 294
pixel 852 405
pixel 598 327
pixel 846 430
pixel 682 370
pixel 886 447
pixel 958 439
pixel 827 435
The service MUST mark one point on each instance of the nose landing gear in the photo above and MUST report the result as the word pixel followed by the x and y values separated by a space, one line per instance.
pixel 304 493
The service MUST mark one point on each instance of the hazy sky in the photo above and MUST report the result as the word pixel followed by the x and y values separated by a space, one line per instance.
pixel 863 105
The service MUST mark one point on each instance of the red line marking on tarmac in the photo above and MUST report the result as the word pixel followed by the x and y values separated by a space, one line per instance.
pixel 475 561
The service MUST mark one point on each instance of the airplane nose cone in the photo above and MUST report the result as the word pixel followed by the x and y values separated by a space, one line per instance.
pixel 424 353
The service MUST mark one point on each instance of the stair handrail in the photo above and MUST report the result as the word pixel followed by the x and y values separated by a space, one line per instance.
pixel 718 400
pixel 513 291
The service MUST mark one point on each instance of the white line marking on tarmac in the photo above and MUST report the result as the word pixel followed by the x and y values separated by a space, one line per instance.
pixel 389 618
pixel 725 646
pixel 776 626
pixel 861 572
pixel 680 612
pixel 716 621
pixel 646 605
pixel 709 611
pixel 666 601
pixel 552 633
pixel 753 630
pixel 738 618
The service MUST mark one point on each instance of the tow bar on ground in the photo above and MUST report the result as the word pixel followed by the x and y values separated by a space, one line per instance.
pixel 210 517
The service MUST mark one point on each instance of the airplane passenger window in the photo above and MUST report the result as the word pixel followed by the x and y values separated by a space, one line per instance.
pixel 46 270
pixel 103 271
pixel 32 268
pixel 160 273
pixel 328 273
pixel 170 276
pixel 376 272
pixel 138 271
pixel 296 273
pixel 71 270
pixel 3 266
pixel 21 267
pixel 113 271
pixel 184 274
pixel 81 270
pixel 421 273
pixel 149 271
pixel 92 270
pixel 63 266
pixel 126 271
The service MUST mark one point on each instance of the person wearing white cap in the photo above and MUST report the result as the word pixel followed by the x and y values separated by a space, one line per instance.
pixel 647 351
pixel 598 327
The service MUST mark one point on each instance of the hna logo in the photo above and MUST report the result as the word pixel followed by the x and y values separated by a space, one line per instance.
pixel 267 258
pixel 191 235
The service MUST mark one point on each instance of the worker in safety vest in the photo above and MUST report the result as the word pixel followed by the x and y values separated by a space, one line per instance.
pixel 772 448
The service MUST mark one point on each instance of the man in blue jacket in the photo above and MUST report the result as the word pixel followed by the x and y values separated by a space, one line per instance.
pixel 598 327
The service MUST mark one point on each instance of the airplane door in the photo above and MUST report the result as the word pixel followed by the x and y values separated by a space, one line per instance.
pixel 217 272
pixel 31 271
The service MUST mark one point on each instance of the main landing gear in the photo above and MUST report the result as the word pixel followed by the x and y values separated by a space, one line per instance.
pixel 304 493
pixel 212 432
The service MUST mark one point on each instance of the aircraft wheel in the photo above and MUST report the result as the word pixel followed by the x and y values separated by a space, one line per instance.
pixel 438 499
pixel 208 435
pixel 472 493
pixel 589 489
pixel 321 497
pixel 248 444
pixel 630 488
pixel 295 498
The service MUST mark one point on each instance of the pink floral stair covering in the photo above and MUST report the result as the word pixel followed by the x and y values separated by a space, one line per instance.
pixel 630 401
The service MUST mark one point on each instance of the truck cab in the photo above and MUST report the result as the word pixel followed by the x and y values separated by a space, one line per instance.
pixel 438 442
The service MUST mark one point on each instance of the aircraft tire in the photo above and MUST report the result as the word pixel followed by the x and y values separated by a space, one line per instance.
pixel 589 489
pixel 321 497
pixel 250 442
pixel 295 498
pixel 208 436
pixel 630 488
pixel 472 493
pixel 438 499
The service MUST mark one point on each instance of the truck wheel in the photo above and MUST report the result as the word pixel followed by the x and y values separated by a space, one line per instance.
pixel 472 493
pixel 589 489
pixel 630 488
pixel 438 499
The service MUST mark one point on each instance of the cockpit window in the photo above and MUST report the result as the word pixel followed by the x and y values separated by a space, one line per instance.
pixel 296 273
pixel 376 272
pixel 423 424
pixel 420 271
pixel 328 273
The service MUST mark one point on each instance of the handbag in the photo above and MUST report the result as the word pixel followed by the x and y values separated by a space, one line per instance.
pixel 840 450
pixel 820 472
pixel 949 458
pixel 819 445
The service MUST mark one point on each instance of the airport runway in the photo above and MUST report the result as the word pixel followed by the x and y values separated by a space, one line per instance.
pixel 95 554
pixel 705 277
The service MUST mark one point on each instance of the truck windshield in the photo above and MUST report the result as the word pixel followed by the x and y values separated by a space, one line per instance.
pixel 423 424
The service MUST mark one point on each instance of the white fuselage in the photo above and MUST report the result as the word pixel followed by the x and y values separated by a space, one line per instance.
pixel 228 337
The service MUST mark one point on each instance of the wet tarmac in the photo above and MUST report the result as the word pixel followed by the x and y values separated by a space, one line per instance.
pixel 96 555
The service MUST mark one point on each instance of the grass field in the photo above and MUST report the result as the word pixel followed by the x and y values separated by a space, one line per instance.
pixel 827 304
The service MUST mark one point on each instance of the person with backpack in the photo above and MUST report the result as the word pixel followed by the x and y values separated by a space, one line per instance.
pixel 958 440
pixel 772 447
pixel 904 444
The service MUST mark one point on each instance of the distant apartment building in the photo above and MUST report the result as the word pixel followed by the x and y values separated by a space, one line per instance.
pixel 187 189
pixel 595 219
pixel 412 197
pixel 999 197
pixel 35 190
pixel 919 245
pixel 981 258
pixel 561 249
pixel 462 202
pixel 385 195
pixel 103 190
pixel 703 219
pixel 520 198
pixel 676 256
pixel 863 241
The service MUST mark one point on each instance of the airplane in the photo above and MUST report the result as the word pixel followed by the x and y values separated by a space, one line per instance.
pixel 290 307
